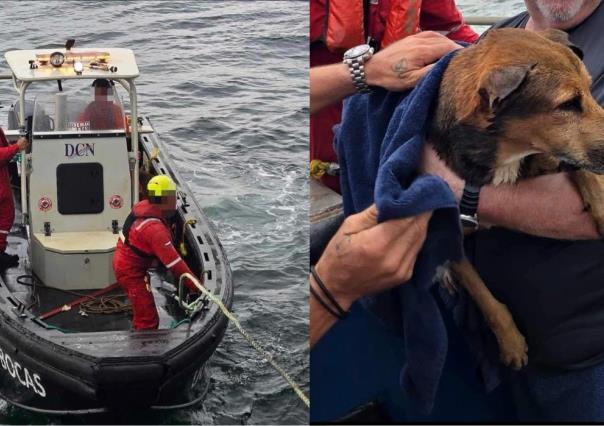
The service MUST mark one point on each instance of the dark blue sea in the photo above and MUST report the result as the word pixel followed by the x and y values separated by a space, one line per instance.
pixel 226 85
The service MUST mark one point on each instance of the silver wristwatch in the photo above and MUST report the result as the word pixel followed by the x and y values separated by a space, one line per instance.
pixel 356 58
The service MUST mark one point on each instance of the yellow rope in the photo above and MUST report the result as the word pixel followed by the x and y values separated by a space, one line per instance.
pixel 247 337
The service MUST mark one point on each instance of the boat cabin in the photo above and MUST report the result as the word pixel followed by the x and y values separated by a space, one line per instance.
pixel 80 176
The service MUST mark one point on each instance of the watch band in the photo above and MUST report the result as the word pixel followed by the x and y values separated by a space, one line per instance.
pixel 356 66
pixel 357 72
pixel 468 206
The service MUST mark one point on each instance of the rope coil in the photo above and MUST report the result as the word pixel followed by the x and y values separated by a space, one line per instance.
pixel 105 305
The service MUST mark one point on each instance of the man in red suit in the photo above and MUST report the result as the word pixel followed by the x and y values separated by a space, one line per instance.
pixel 7 206
pixel 145 240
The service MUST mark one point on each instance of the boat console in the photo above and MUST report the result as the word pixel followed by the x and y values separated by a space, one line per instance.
pixel 79 193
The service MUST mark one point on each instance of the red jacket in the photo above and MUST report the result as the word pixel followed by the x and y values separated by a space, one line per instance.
pixel 150 235
pixel 7 152
pixel 435 15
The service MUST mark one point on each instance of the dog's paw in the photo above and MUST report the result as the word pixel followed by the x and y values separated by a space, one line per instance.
pixel 514 350
pixel 512 345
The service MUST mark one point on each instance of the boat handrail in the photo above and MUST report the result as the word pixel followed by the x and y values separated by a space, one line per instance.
pixel 483 20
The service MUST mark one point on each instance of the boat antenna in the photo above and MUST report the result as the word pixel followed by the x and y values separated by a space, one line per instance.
pixel 69 44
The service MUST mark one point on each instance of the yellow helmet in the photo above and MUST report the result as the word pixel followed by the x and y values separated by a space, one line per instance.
pixel 160 186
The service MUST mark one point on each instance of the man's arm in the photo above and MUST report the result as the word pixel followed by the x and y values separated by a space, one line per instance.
pixel 163 248
pixel 545 206
pixel 7 153
pixel 398 67
pixel 362 258
pixel 329 84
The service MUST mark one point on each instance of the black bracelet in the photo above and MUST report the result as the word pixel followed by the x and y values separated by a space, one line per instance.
pixel 342 313
pixel 325 305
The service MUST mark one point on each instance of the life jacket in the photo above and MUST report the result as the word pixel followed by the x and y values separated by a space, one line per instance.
pixel 133 217
pixel 342 24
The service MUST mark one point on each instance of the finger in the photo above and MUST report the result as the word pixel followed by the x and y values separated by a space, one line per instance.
pixel 363 220
pixel 415 234
pixel 395 230
pixel 409 258
pixel 435 51
pixel 394 239
pixel 417 75
pixel 403 257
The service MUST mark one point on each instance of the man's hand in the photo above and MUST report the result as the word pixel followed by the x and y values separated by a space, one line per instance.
pixel 400 65
pixel 22 143
pixel 365 257
pixel 433 165
pixel 546 206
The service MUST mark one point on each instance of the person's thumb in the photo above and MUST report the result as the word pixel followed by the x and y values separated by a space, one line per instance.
pixel 363 220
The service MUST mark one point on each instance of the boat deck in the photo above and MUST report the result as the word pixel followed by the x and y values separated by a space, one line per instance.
pixel 40 298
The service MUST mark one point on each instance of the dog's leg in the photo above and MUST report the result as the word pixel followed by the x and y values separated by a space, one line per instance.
pixel 512 346
pixel 591 187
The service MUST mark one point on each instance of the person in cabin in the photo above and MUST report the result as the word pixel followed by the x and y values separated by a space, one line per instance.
pixel 102 113
pixel 335 32
pixel 145 240
pixel 7 206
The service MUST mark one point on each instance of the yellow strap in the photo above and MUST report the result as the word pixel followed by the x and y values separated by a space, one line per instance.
pixel 182 247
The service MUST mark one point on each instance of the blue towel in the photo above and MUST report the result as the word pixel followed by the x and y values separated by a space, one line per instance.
pixel 379 144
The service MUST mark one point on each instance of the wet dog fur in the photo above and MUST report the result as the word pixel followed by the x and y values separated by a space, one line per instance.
pixel 516 105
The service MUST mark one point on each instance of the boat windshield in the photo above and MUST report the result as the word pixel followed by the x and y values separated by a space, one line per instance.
pixel 78 112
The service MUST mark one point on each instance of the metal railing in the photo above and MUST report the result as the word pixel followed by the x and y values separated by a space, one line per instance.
pixel 483 20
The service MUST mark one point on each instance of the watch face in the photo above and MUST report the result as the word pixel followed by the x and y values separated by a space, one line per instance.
pixel 57 59
pixel 357 51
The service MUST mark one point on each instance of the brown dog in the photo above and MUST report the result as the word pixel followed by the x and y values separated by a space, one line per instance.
pixel 513 106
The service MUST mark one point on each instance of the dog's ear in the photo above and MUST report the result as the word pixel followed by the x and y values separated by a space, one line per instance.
pixel 561 37
pixel 500 83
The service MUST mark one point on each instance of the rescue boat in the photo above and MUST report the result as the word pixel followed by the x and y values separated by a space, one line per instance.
pixel 66 341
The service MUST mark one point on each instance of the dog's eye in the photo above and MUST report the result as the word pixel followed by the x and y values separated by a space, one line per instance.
pixel 573 104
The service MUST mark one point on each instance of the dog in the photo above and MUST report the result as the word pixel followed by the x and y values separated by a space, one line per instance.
pixel 517 105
